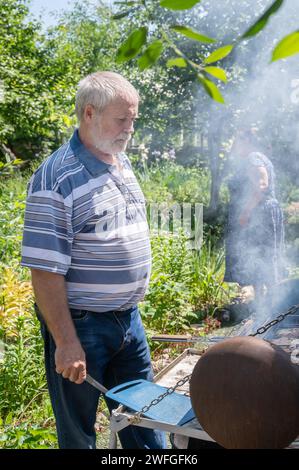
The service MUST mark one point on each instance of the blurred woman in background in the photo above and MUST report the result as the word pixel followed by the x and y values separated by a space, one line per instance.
pixel 255 231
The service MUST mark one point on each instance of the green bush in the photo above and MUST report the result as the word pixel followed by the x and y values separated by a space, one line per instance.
pixel 26 436
pixel 169 182
pixel 12 206
pixel 22 376
pixel 186 285
pixel 208 292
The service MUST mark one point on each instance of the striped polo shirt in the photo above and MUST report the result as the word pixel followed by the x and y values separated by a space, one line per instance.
pixel 86 219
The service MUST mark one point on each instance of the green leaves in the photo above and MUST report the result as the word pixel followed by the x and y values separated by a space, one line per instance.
pixel 132 45
pixel 216 72
pixel 192 34
pixel 151 55
pixel 219 54
pixel 288 46
pixel 27 436
pixel 211 89
pixel 263 20
pixel 178 4
pixel 176 62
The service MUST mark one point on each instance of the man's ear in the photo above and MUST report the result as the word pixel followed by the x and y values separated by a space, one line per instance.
pixel 88 112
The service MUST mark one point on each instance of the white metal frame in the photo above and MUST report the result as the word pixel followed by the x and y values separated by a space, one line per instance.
pixel 121 418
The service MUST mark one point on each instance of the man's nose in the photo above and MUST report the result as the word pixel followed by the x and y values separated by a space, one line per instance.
pixel 129 127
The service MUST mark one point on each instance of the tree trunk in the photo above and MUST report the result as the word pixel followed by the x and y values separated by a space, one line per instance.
pixel 214 139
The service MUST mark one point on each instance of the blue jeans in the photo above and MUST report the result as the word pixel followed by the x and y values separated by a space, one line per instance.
pixel 116 352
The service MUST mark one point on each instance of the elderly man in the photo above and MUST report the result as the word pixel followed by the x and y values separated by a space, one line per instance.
pixel 86 241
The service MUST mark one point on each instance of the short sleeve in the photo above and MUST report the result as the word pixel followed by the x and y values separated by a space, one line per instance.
pixel 48 236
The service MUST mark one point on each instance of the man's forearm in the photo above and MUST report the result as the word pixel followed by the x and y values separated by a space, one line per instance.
pixel 51 298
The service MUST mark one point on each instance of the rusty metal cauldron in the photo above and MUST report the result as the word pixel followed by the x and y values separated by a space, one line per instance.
pixel 245 394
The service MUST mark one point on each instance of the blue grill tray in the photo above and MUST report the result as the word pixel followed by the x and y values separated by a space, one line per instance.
pixel 173 409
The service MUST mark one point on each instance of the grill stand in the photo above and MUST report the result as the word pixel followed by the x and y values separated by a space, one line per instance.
pixel 121 418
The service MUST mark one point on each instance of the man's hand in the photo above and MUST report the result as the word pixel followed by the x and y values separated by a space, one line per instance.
pixel 51 298
pixel 70 361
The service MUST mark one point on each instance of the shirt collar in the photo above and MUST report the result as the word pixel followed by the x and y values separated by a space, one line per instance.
pixel 89 160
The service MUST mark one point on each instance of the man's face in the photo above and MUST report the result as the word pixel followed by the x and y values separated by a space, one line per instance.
pixel 112 128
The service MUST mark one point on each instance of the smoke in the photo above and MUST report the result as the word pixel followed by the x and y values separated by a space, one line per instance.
pixel 260 95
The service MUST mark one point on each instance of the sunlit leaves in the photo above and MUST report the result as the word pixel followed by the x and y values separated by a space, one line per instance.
pixel 211 89
pixel 151 55
pixel 219 54
pixel 216 72
pixel 178 4
pixel 192 34
pixel 288 46
pixel 176 62
pixel 263 20
pixel 132 45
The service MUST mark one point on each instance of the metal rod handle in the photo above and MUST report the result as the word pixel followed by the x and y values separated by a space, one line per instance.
pixel 96 384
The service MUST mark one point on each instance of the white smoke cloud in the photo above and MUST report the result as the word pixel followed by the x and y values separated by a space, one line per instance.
pixel 259 93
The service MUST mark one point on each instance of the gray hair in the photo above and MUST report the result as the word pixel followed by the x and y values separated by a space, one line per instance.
pixel 101 88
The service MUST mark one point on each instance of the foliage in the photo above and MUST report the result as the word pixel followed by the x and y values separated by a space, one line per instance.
pixel 159 37
pixel 10 167
pixel 22 380
pixel 263 20
pixel 39 75
pixel 208 292
pixel 169 182
pixel 22 377
pixel 288 46
pixel 167 305
pixel 26 71
pixel 186 285
pixel 15 297
pixel 161 25
pixel 225 22
pixel 12 205
pixel 26 436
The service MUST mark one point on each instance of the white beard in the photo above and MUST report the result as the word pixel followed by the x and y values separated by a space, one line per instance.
pixel 107 146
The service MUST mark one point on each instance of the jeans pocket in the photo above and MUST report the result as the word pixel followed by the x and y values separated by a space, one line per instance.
pixel 78 315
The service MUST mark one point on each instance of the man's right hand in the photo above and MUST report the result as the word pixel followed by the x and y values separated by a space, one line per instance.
pixel 70 361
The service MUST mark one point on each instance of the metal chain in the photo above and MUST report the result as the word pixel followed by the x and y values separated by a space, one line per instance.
pixel 137 416
pixel 281 317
